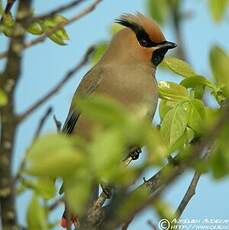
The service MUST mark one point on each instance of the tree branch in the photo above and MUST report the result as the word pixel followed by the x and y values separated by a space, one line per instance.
pixel 191 189
pixel 53 91
pixel 58 10
pixel 188 195
pixel 177 20
pixel 43 37
pixel 157 184
pixel 8 7
pixel 42 122
pixel 8 81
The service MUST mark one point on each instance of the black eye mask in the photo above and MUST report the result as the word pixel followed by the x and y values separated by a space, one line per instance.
pixel 142 36
pixel 144 40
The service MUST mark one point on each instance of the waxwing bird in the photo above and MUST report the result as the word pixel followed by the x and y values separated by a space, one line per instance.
pixel 126 72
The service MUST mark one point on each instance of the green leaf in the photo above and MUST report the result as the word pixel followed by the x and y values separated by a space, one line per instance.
pixel 196 117
pixel 219 163
pixel 165 106
pixel 219 158
pixel 46 187
pixel 172 91
pixel 179 67
pixel 60 36
pixel 7 24
pixel 198 84
pixel 174 123
pixel 110 146
pixel 181 143
pixel 36 218
pixel 77 190
pixel 54 155
pixel 158 10
pixel 3 98
pixel 105 110
pixel 219 61
pixel 1 8
pixel 156 147
pixel 164 210
pixel 35 28
pixel 99 51
pixel 218 9
pixel 195 81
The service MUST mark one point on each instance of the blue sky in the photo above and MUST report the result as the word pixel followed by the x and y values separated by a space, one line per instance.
pixel 45 64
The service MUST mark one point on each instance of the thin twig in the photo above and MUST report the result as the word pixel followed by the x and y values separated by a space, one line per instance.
pixel 62 24
pixel 152 225
pixel 42 122
pixel 188 195
pixel 58 10
pixel 48 33
pixel 8 7
pixel 177 20
pixel 192 188
pixel 103 195
pixel 57 123
pixel 55 204
pixel 53 91
pixel 126 224
pixel 172 173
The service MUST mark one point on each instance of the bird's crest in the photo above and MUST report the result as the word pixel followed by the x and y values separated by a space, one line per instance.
pixel 138 22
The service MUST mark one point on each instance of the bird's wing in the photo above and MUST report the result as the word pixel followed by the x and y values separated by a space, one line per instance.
pixel 87 86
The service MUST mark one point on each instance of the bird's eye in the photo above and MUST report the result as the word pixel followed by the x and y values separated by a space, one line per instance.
pixel 143 38
pixel 145 43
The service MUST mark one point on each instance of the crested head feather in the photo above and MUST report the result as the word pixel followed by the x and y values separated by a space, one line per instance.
pixel 138 22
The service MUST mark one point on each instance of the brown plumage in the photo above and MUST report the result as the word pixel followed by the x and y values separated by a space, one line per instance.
pixel 126 72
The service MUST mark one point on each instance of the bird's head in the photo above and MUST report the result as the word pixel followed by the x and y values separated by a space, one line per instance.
pixel 141 39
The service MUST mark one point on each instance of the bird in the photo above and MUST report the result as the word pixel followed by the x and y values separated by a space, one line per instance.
pixel 126 73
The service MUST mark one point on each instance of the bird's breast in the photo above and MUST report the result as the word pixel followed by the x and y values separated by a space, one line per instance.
pixel 134 86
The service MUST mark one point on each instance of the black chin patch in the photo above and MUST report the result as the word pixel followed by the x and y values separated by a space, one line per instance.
pixel 158 56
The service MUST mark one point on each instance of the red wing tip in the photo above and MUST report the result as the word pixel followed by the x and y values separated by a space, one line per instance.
pixel 63 222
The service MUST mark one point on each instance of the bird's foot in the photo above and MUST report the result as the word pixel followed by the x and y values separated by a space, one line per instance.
pixel 135 153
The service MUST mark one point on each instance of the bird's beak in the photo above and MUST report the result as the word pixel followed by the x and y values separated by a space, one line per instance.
pixel 167 45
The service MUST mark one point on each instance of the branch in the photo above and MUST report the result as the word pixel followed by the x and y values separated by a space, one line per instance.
pixel 58 10
pixel 177 20
pixel 53 91
pixel 126 224
pixel 188 195
pixel 8 7
pixel 42 122
pixel 152 225
pixel 43 37
pixel 8 82
pixel 58 124
pixel 191 189
pixel 165 176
